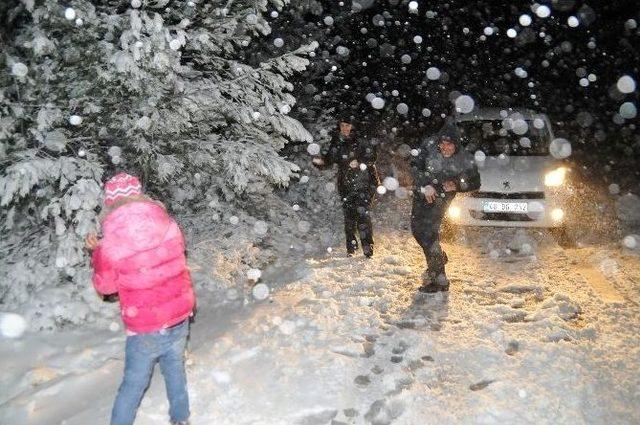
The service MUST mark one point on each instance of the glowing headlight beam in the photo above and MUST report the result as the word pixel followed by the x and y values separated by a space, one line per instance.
pixel 557 214
pixel 555 178
pixel 454 212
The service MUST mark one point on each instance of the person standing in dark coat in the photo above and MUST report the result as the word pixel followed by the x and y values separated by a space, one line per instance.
pixel 358 180
pixel 441 169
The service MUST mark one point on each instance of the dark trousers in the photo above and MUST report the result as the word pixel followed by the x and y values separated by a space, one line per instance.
pixel 357 217
pixel 425 225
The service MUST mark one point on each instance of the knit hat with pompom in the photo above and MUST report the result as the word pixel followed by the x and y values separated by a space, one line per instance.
pixel 120 186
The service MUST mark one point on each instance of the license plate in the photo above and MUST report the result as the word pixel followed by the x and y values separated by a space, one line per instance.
pixel 505 207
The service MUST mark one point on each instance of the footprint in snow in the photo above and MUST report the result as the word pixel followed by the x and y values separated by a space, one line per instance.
pixel 415 365
pixel 368 349
pixel 383 412
pixel 318 418
pixel 512 348
pixel 350 413
pixel 401 348
pixel 481 385
pixel 377 370
pixel 362 381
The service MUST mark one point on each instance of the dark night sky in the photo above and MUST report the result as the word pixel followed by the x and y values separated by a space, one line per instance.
pixel 484 69
pixel 605 44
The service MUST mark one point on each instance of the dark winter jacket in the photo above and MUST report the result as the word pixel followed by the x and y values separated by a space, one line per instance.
pixel 430 167
pixel 355 157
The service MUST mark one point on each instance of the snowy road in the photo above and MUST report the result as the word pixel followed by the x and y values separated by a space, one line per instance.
pixel 530 333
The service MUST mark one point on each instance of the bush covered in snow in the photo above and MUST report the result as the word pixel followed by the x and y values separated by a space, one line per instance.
pixel 159 91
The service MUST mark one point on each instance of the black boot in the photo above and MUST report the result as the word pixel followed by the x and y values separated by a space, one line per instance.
pixel 442 282
pixel 433 282
pixel 352 246
pixel 367 250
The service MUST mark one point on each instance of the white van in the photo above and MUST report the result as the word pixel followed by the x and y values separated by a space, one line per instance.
pixel 522 183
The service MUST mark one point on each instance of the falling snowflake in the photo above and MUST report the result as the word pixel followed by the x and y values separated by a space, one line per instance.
pixel 628 111
pixel 12 325
pixel 313 149
pixel 402 108
pixel 260 291
pixel 70 14
pixel 254 274
pixel 260 228
pixel 630 241
pixel 560 148
pixel 542 11
pixel 19 69
pixel 390 183
pixel 377 103
pixel 626 84
pixel 433 73
pixel 304 226
pixel 525 20
pixel 464 104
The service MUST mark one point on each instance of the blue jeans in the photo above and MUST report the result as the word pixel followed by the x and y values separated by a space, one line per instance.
pixel 142 351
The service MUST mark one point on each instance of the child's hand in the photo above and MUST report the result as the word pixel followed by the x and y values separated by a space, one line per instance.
pixel 91 242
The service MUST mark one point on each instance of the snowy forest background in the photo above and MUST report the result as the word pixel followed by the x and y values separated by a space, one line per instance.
pixel 217 104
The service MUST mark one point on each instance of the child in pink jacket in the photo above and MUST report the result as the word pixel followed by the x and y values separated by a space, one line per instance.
pixel 141 258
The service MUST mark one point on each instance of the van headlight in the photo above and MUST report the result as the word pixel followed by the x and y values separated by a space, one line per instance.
pixel 557 214
pixel 555 178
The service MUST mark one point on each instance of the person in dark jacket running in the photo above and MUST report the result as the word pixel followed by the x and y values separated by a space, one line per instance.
pixel 441 169
pixel 358 179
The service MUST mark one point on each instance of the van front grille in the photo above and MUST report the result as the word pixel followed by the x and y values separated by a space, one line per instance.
pixel 513 195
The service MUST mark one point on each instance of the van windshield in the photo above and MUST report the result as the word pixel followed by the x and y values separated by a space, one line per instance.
pixel 493 139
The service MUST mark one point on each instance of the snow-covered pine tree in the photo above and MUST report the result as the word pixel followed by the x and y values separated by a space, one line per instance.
pixel 156 88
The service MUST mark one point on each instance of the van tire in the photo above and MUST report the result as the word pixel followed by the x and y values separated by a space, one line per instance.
pixel 562 237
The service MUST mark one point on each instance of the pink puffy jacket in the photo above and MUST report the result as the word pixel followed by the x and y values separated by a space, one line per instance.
pixel 141 257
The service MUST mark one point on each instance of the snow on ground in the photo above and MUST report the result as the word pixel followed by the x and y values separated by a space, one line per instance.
pixel 530 333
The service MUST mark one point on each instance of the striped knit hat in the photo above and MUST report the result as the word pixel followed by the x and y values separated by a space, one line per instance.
pixel 120 186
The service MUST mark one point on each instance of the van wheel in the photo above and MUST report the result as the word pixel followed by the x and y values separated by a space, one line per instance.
pixel 448 231
pixel 562 237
